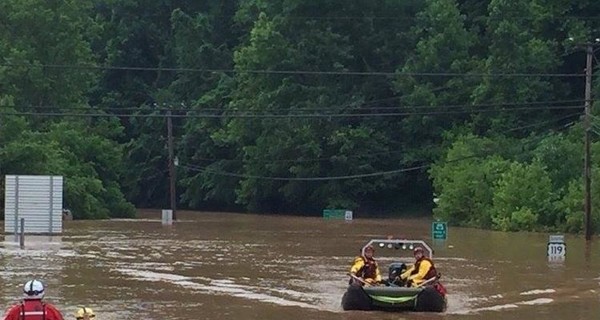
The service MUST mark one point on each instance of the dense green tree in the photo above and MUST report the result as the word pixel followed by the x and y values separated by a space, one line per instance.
pixel 523 198
pixel 206 40
pixel 465 180
pixel 37 38
pixel 443 46
pixel 307 37
pixel 45 48
pixel 90 164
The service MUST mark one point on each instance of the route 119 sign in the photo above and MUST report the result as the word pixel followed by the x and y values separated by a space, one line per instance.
pixel 557 249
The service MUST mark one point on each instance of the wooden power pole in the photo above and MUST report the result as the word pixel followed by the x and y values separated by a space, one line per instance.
pixel 172 189
pixel 587 160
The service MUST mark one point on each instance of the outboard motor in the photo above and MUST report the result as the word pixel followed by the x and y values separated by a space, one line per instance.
pixel 395 270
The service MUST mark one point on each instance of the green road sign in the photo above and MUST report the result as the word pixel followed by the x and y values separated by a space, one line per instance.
pixel 439 230
pixel 335 214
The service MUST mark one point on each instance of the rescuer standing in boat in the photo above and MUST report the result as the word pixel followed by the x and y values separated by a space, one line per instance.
pixel 422 270
pixel 365 267
pixel 32 307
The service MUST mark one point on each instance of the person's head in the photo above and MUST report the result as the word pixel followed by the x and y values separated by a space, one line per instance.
pixel 85 314
pixel 369 251
pixel 419 253
pixel 34 289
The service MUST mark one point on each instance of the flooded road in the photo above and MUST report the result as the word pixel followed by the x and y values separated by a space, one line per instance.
pixel 233 266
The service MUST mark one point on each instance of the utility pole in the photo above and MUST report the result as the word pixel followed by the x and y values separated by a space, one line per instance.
pixel 587 160
pixel 172 189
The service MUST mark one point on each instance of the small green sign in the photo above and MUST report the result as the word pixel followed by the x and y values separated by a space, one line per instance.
pixel 334 214
pixel 439 230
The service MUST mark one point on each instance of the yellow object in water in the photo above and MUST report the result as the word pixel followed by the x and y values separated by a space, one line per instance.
pixel 85 314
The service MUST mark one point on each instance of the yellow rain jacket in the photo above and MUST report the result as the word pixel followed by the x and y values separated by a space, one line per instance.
pixel 422 270
pixel 367 269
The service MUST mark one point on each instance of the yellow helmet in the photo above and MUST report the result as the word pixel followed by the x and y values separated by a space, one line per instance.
pixel 79 315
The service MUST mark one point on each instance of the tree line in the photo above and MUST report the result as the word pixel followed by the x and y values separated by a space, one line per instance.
pixel 296 106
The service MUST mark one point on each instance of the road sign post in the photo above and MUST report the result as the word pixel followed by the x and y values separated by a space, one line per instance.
pixel 439 230
pixel 557 248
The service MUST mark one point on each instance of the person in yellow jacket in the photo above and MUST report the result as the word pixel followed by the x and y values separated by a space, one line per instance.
pixel 422 270
pixel 366 268
pixel 85 314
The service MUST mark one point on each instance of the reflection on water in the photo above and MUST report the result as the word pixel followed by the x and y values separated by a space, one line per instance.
pixel 223 266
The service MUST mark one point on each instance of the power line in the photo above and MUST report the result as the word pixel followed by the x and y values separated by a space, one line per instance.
pixel 502 18
pixel 594 117
pixel 355 176
pixel 546 122
pixel 291 72
pixel 249 115
pixel 480 105
pixel 365 105
pixel 300 160
pixel 166 105
pixel 374 17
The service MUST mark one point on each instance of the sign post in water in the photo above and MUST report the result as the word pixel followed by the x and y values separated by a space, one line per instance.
pixel 348 215
pixel 439 230
pixel 557 248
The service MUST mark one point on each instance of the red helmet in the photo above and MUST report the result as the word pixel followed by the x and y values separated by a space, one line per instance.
pixel 418 249
pixel 369 247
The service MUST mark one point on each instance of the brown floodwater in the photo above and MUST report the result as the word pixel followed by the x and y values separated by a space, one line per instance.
pixel 227 266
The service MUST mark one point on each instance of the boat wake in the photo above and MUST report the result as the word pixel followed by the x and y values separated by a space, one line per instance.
pixel 279 296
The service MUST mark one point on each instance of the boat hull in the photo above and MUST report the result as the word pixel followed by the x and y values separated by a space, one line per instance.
pixel 392 298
